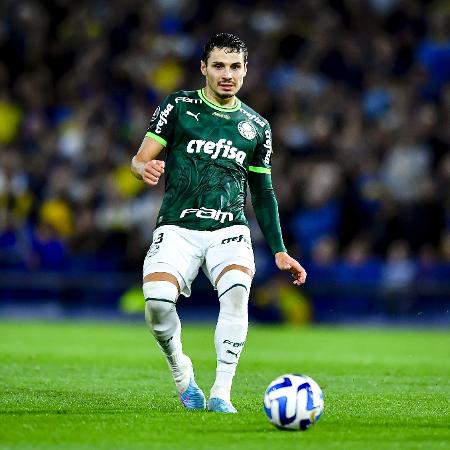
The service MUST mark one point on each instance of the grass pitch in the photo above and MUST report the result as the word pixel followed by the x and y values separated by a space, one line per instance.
pixel 106 386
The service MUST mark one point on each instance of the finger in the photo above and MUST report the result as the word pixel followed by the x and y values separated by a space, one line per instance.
pixel 152 176
pixel 154 170
pixel 151 180
pixel 157 169
pixel 299 276
pixel 161 164
pixel 156 166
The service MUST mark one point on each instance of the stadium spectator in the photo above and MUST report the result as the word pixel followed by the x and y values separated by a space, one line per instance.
pixel 358 94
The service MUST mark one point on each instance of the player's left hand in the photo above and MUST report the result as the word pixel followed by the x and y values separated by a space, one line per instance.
pixel 285 262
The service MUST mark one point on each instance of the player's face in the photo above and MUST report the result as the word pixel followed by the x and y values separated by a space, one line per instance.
pixel 224 73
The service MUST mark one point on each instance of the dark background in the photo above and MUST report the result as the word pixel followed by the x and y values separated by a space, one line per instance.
pixel 358 96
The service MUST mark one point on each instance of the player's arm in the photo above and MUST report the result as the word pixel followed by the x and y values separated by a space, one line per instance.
pixel 144 164
pixel 265 206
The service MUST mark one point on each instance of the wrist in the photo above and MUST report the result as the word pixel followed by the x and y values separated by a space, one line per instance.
pixel 137 167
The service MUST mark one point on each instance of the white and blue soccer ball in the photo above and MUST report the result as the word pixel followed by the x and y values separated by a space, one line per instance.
pixel 293 402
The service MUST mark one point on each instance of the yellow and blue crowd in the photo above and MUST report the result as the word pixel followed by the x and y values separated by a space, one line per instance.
pixel 357 94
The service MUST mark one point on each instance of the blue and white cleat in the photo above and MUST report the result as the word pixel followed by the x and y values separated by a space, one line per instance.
pixel 193 397
pixel 216 404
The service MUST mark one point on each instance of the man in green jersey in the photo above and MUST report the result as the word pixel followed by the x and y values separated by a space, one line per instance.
pixel 214 145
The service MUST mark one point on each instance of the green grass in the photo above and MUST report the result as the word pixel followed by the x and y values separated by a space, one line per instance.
pixel 89 385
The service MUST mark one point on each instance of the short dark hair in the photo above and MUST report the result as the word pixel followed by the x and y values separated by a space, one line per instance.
pixel 227 41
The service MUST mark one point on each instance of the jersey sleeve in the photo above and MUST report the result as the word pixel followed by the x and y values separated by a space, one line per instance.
pixel 262 156
pixel 162 122
pixel 263 197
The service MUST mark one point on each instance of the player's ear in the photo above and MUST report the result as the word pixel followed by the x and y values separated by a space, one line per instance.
pixel 203 67
pixel 245 69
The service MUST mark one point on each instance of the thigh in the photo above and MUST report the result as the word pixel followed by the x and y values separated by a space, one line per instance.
pixel 231 245
pixel 174 251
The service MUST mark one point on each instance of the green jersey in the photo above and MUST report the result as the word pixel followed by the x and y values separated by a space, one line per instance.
pixel 209 152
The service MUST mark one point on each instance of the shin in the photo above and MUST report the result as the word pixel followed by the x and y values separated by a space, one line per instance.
pixel 231 330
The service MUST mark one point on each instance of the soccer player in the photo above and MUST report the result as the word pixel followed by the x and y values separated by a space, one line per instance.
pixel 214 145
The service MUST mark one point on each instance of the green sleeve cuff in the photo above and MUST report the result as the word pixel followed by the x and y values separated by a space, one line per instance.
pixel 157 138
pixel 259 169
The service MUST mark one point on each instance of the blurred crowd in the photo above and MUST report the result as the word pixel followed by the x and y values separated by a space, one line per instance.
pixel 357 93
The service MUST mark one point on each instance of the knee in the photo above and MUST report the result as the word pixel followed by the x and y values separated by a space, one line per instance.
pixel 233 289
pixel 236 299
pixel 156 310
pixel 160 299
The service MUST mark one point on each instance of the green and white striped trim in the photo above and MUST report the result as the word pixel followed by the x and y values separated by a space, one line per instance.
pixel 156 138
pixel 236 107
pixel 259 169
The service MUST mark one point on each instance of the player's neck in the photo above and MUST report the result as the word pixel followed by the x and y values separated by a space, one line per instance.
pixel 222 102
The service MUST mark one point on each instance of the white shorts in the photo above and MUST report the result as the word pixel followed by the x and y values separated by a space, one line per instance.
pixel 181 252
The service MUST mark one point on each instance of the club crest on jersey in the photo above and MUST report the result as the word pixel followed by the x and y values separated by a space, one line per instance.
pixel 247 130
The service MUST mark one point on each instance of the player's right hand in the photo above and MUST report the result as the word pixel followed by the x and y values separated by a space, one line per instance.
pixel 152 171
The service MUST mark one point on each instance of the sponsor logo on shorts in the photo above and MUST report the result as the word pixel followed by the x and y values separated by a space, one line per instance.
pixel 240 238
pixel 247 130
pixel 221 148
pixel 164 114
pixel 208 213
pixel 188 100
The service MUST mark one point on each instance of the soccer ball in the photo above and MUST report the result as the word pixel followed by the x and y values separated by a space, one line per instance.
pixel 293 402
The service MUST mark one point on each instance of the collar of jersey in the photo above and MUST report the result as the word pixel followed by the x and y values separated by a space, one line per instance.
pixel 236 107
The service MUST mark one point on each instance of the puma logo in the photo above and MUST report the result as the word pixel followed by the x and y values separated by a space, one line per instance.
pixel 232 353
pixel 195 116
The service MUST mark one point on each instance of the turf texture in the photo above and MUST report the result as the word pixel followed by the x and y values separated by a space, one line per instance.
pixel 106 386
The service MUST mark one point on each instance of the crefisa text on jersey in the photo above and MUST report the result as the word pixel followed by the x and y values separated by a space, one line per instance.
pixel 163 117
pixel 268 145
pixel 214 149
pixel 256 119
